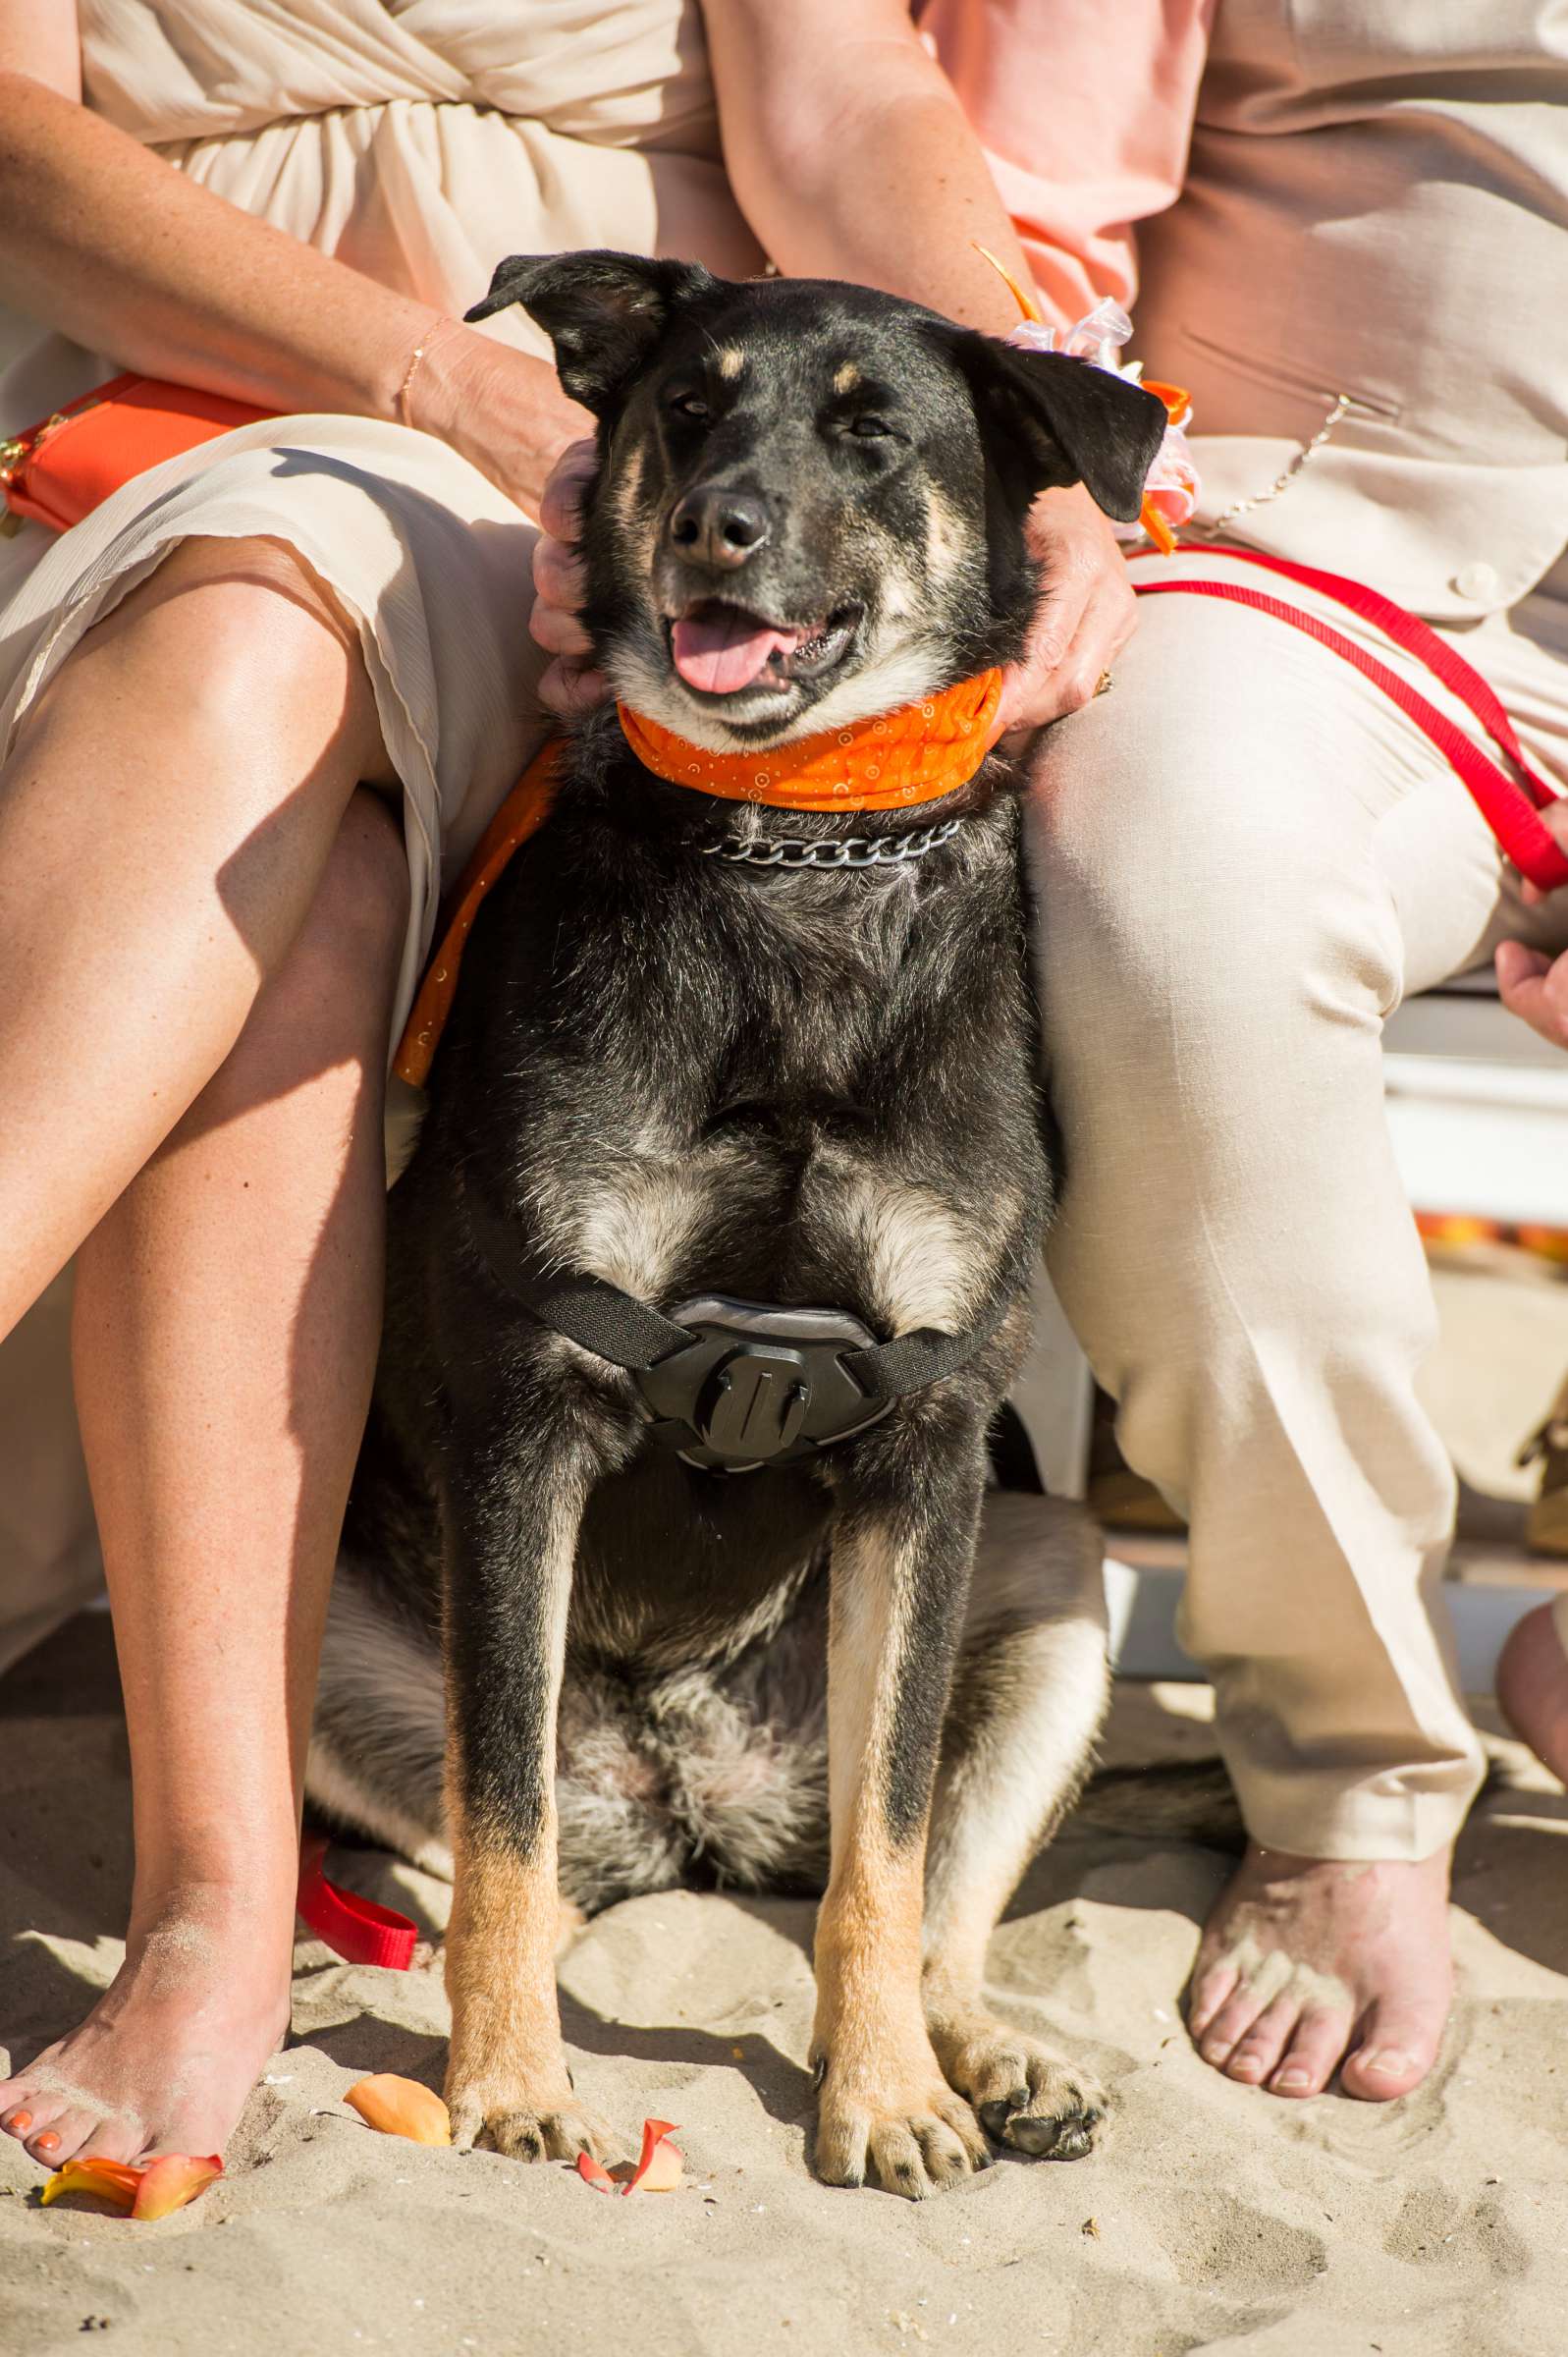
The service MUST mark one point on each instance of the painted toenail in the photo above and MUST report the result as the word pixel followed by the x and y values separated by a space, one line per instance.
pixel 20 2123
pixel 48 2142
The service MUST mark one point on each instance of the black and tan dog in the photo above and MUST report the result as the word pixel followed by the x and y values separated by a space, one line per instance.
pixel 712 1265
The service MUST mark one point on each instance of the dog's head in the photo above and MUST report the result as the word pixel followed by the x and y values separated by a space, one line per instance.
pixel 811 497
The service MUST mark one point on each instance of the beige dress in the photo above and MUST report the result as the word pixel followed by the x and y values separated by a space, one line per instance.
pixel 419 142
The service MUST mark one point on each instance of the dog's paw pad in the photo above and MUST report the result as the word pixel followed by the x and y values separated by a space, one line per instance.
pixel 1061 2135
pixel 1027 2098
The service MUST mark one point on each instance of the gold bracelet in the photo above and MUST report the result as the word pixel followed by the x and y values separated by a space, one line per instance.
pixel 401 404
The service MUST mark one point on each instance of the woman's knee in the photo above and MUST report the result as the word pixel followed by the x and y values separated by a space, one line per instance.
pixel 246 632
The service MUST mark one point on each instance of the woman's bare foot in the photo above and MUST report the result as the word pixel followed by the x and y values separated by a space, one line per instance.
pixel 167 2056
pixel 1533 1689
pixel 1311 1965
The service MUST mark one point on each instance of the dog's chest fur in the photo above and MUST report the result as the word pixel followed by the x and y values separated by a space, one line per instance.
pixel 683 1076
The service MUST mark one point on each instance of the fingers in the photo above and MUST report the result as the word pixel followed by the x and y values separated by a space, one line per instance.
pixel 558 629
pixel 1106 623
pixel 1535 988
pixel 559 588
pixel 560 576
pixel 572 690
pixel 571 686
pixel 1035 693
pixel 561 501
pixel 1086 615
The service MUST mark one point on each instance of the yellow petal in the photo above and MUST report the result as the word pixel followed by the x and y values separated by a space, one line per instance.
pixel 402 2107
pixel 172 2180
pixel 111 2180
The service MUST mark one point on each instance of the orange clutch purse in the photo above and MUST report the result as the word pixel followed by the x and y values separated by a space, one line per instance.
pixel 58 471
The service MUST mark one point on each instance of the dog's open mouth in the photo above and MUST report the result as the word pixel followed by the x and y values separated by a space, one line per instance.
pixel 721 649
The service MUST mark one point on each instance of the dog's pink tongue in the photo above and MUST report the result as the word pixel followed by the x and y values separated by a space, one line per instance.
pixel 722 653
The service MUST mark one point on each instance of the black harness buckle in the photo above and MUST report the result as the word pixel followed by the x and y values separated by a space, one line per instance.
pixel 758 1386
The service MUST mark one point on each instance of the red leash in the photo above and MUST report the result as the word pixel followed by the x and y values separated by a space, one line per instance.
pixel 362 1932
pixel 1510 805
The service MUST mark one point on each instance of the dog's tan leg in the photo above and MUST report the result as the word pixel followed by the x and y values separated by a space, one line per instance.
pixel 1029 1691
pixel 511 1547
pixel 901 1565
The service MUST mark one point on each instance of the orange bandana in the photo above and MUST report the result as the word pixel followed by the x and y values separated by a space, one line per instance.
pixel 912 755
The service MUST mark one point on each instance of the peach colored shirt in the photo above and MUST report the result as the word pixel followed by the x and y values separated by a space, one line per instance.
pixel 1085 109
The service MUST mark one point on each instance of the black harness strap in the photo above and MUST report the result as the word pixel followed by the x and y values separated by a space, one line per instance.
pixel 912 1360
pixel 618 1327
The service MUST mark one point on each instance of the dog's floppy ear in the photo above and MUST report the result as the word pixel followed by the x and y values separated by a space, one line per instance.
pixel 1062 421
pixel 604 312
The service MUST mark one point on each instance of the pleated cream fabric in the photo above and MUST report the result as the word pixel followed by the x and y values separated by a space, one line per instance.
pixel 420 143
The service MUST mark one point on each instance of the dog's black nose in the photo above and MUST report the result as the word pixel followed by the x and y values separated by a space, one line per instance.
pixel 714 526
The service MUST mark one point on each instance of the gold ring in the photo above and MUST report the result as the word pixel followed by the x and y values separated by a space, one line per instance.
pixel 1105 683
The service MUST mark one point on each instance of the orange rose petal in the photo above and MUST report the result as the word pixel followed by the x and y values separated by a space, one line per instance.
pixel 172 2180
pixel 1158 529
pixel 589 2170
pixel 402 2107
pixel 111 2180
pixel 1176 397
pixel 1026 302
pixel 660 2164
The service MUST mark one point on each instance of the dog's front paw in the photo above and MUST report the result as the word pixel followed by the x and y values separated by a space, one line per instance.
pixel 918 2137
pixel 1027 2098
pixel 546 2123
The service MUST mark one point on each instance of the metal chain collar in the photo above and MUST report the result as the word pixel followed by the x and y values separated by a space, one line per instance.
pixel 847 850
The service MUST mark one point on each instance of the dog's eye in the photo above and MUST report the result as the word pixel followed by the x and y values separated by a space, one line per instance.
pixel 690 405
pixel 870 429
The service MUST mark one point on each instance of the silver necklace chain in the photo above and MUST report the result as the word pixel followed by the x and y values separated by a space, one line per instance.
pixel 1342 405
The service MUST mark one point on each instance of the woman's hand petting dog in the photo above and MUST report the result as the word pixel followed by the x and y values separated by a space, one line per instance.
pixel 1534 986
pixel 571 685
pixel 1083 619
pixel 1080 629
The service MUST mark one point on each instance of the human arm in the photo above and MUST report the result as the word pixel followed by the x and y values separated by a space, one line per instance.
pixel 110 246
pixel 1534 986
pixel 851 158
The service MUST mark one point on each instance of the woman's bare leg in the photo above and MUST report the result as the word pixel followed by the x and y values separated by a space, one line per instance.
pixel 165 817
pixel 227 1315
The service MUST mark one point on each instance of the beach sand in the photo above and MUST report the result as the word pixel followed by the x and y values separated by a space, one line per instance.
pixel 1214 2216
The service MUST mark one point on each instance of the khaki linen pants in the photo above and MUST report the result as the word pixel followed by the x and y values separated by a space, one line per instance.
pixel 1245 857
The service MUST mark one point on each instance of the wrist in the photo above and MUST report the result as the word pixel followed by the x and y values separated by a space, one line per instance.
pixel 500 409
pixel 438 368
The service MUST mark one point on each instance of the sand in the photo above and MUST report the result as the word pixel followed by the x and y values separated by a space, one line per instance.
pixel 1214 2216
